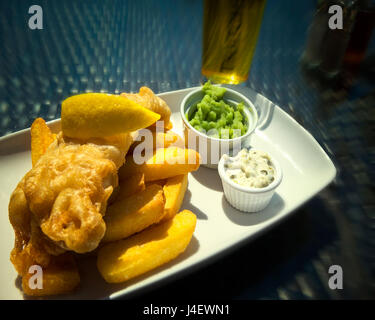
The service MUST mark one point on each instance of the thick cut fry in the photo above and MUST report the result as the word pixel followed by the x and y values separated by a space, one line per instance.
pixel 174 192
pixel 41 138
pixel 134 184
pixel 160 139
pixel 153 247
pixel 58 278
pixel 164 163
pixel 134 213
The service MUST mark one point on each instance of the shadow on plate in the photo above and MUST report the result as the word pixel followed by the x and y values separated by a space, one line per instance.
pixel 189 206
pixel 93 286
pixel 209 178
pixel 190 250
pixel 254 218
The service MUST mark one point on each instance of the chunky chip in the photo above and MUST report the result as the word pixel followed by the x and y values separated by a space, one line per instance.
pixel 41 138
pixel 134 184
pixel 174 192
pixel 133 214
pixel 160 139
pixel 125 259
pixel 164 163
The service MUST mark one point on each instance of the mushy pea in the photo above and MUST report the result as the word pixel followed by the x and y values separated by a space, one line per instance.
pixel 216 117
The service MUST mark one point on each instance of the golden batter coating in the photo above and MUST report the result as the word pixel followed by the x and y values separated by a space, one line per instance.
pixel 146 98
pixel 59 204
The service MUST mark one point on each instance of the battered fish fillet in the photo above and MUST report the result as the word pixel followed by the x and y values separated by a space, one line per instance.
pixel 146 98
pixel 59 204
pixel 31 246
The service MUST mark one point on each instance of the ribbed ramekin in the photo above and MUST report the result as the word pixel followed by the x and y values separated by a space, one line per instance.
pixel 211 148
pixel 249 199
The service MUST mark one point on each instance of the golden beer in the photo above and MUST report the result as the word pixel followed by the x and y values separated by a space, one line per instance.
pixel 230 32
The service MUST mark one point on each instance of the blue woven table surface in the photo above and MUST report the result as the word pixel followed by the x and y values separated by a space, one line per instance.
pixel 115 46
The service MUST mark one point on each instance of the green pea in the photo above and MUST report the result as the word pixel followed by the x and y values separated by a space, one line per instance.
pixel 213 112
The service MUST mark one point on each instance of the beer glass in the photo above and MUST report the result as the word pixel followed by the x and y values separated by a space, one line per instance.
pixel 230 32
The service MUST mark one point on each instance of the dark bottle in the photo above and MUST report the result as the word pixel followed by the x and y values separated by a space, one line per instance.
pixel 360 36
pixel 326 47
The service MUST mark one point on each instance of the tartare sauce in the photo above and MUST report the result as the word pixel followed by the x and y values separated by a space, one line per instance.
pixel 250 168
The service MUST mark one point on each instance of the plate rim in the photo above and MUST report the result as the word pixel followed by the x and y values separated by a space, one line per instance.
pixel 226 249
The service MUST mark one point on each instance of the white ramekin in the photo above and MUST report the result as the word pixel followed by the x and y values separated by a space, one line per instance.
pixel 245 198
pixel 211 149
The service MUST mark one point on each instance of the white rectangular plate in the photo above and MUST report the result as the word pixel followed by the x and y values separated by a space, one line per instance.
pixel 307 170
